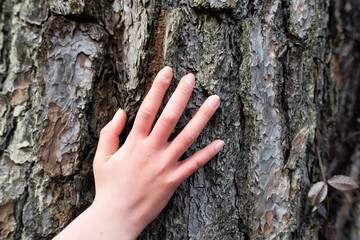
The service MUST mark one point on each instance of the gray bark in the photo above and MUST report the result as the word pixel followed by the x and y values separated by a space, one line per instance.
pixel 286 73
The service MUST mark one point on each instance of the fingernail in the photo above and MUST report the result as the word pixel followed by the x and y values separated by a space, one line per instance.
pixel 190 79
pixel 118 113
pixel 214 102
pixel 167 73
pixel 219 145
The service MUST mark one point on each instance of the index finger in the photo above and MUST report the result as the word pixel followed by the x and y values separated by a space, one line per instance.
pixel 150 106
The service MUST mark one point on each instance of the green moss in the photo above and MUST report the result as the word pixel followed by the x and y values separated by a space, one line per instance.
pixel 313 34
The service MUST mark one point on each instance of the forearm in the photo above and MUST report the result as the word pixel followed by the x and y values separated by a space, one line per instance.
pixel 98 222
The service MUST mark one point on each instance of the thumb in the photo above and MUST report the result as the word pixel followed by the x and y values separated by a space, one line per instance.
pixel 109 136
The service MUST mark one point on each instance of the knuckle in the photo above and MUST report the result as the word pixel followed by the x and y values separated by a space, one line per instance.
pixel 189 137
pixel 104 131
pixel 160 85
pixel 191 168
pixel 209 154
pixel 162 167
pixel 185 89
pixel 170 118
pixel 146 110
pixel 206 115
pixel 171 182
pixel 198 164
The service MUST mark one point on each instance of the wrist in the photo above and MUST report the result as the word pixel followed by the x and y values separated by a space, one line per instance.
pixel 115 220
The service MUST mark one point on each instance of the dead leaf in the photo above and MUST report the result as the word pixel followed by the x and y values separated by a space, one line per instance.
pixel 342 183
pixel 318 193
pixel 321 210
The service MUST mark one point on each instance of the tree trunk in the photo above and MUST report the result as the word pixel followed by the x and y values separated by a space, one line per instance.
pixel 287 75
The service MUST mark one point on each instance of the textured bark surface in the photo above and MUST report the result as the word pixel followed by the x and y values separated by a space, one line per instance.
pixel 286 71
pixel 344 155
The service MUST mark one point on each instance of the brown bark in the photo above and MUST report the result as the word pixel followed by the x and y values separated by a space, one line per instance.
pixel 287 76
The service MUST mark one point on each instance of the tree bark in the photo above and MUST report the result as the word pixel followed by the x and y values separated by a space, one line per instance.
pixel 287 75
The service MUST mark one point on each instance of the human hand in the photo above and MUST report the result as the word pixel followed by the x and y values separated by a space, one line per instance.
pixel 134 183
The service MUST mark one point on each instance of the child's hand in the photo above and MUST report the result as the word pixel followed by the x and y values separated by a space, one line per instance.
pixel 134 183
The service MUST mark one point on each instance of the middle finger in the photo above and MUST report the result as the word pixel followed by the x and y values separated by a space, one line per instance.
pixel 173 110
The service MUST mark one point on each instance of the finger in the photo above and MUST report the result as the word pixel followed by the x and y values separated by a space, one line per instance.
pixel 109 136
pixel 193 129
pixel 150 106
pixel 191 164
pixel 173 110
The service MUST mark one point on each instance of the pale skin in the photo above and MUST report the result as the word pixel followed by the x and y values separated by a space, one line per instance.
pixel 134 182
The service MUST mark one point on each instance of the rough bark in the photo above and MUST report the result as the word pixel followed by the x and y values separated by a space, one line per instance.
pixel 286 73
pixel 344 154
